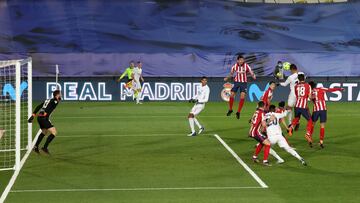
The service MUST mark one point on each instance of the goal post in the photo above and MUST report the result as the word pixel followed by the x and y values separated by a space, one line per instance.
pixel 15 109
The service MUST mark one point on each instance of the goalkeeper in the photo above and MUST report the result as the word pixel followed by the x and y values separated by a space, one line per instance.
pixel 128 72
pixel 45 109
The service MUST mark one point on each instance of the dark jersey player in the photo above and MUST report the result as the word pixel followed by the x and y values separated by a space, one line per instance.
pixel 45 109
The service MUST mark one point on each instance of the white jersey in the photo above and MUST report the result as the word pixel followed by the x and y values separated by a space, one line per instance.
pixel 137 73
pixel 292 80
pixel 202 94
pixel 273 123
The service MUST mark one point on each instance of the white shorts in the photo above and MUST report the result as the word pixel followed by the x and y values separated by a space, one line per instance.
pixel 291 99
pixel 278 139
pixel 136 85
pixel 197 109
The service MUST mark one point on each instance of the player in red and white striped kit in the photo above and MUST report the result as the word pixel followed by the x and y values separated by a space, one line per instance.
pixel 241 69
pixel 268 95
pixel 256 133
pixel 303 94
pixel 319 109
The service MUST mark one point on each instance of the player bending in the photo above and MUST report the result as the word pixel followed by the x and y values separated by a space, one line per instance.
pixel 319 108
pixel 303 94
pixel 136 86
pixel 241 69
pixel 256 132
pixel 199 99
pixel 45 109
pixel 274 132
pixel 268 95
pixel 128 73
pixel 291 81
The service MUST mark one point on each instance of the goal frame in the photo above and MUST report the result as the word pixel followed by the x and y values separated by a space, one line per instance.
pixel 18 64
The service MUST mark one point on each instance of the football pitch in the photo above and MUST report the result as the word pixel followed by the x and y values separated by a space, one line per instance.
pixel 122 152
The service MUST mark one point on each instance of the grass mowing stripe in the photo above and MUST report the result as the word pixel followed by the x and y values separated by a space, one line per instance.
pixel 16 172
pixel 134 189
pixel 247 168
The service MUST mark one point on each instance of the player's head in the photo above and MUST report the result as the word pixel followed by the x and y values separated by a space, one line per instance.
pixel 272 85
pixel 282 104
pixel 57 95
pixel 293 68
pixel 132 64
pixel 301 77
pixel 261 104
pixel 312 84
pixel 203 80
pixel 272 108
pixel 240 59
pixel 139 64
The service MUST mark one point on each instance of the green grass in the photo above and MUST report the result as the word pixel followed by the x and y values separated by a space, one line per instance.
pixel 123 145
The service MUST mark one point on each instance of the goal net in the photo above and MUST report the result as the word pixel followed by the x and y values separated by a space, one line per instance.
pixel 15 109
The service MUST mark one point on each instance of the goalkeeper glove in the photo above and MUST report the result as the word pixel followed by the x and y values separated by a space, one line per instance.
pixel 30 120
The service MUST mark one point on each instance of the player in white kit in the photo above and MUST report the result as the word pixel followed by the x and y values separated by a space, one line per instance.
pixel 201 97
pixel 274 132
pixel 292 80
pixel 136 86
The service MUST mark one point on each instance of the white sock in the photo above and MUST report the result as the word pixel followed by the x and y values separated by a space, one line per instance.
pixel 191 122
pixel 292 152
pixel 138 98
pixel 197 123
pixel 290 116
pixel 274 154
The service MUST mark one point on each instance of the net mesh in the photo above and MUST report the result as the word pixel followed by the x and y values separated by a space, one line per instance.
pixel 8 112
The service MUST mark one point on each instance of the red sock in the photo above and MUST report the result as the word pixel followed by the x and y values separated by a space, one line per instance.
pixel 231 102
pixel 258 149
pixel 294 122
pixel 309 127
pixel 322 133
pixel 241 103
pixel 266 152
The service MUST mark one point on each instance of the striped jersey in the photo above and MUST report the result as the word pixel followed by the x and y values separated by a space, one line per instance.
pixel 240 72
pixel 256 122
pixel 318 97
pixel 267 96
pixel 302 93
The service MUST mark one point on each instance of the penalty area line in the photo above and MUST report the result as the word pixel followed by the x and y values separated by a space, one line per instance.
pixel 241 162
pixel 133 189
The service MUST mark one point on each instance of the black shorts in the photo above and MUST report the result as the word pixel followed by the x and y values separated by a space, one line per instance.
pixel 304 112
pixel 44 122
pixel 239 85
pixel 319 114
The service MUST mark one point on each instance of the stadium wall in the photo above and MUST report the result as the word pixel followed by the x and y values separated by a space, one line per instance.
pixel 174 89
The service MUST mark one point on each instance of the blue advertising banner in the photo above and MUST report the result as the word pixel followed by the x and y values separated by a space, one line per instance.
pixel 173 89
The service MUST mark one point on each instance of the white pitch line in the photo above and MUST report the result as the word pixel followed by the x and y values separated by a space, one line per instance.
pixel 16 172
pixel 124 135
pixel 134 189
pixel 246 167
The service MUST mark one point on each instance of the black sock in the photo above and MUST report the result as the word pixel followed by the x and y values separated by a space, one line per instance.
pixel 38 141
pixel 49 139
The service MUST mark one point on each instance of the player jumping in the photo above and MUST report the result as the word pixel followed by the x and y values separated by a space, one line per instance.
pixel 291 80
pixel 303 94
pixel 128 73
pixel 274 132
pixel 240 82
pixel 199 99
pixel 45 109
pixel 136 86
pixel 319 108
